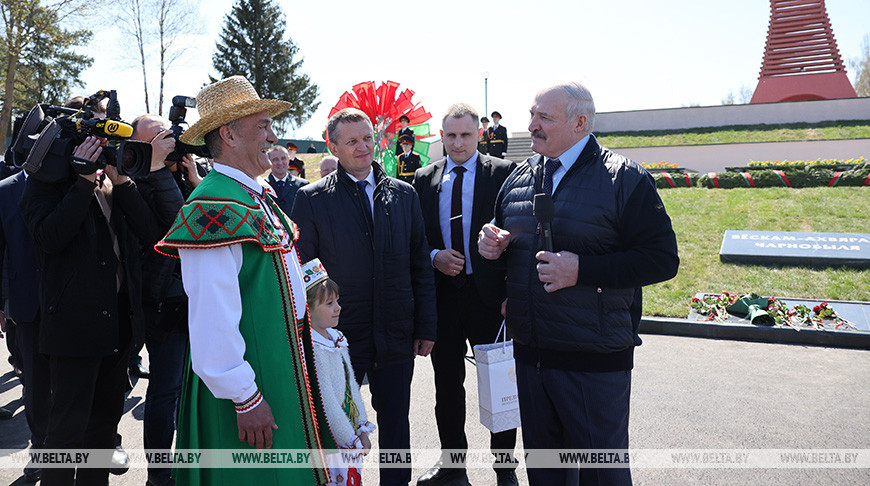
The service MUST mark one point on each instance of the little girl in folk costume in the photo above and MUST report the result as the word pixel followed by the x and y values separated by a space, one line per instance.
pixel 339 391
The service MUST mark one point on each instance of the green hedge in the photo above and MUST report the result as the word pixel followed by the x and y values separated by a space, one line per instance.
pixel 802 177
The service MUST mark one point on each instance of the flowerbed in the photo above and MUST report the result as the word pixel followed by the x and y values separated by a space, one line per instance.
pixel 808 176
pixel 796 164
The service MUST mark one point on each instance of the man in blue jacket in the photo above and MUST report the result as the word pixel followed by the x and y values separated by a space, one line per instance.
pixel 367 229
pixel 574 313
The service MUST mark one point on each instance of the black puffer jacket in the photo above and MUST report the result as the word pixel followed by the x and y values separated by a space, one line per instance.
pixel 607 211
pixel 387 288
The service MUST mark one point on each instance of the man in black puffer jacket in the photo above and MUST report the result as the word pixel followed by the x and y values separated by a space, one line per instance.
pixel 574 314
pixel 368 231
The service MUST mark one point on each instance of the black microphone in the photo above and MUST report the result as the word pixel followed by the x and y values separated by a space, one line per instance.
pixel 543 210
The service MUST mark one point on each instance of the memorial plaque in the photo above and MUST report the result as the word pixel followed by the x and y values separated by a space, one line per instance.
pixel 794 248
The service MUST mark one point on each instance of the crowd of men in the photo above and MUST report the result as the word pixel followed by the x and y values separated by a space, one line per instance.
pixel 207 258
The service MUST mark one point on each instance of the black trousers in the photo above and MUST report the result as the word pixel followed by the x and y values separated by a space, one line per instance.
pixel 574 410
pixel 391 398
pixel 87 401
pixel 462 316
pixel 36 381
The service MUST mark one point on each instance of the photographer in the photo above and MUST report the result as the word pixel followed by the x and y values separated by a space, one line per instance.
pixel 87 228
pixel 163 299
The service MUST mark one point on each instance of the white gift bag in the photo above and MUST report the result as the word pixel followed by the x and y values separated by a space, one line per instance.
pixel 497 384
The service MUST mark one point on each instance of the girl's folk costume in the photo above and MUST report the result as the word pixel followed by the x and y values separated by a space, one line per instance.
pixel 249 333
pixel 342 402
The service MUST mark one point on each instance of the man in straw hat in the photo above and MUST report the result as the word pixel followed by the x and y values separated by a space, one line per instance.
pixel 248 326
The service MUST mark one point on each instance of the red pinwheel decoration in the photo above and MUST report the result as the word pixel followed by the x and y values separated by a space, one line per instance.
pixel 384 105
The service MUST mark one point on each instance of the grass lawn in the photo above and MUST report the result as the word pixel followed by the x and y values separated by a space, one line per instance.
pixel 701 216
pixel 738 134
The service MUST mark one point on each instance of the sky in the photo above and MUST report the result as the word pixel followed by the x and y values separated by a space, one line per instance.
pixel 631 54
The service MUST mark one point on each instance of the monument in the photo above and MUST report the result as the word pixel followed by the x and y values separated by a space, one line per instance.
pixel 801 59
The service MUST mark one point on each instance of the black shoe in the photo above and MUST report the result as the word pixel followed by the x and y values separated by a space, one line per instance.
pixel 440 475
pixel 139 371
pixel 120 462
pixel 5 413
pixel 507 478
pixel 32 473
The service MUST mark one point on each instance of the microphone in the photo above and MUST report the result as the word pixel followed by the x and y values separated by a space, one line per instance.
pixel 105 128
pixel 543 211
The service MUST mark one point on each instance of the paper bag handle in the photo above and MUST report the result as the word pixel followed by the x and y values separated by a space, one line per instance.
pixel 502 333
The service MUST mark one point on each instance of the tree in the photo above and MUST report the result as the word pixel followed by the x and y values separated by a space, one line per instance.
pixel 34 44
pixel 861 65
pixel 160 23
pixel 252 44
pixel 743 97
pixel 130 16
pixel 175 18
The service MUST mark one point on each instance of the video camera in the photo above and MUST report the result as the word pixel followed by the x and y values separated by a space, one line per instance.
pixel 44 140
pixel 177 112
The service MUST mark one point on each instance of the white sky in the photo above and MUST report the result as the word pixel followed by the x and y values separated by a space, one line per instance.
pixel 631 54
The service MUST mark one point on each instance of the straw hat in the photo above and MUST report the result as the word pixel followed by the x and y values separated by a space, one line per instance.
pixel 225 101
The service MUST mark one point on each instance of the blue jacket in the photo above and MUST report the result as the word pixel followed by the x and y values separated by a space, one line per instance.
pixel 387 287
pixel 607 211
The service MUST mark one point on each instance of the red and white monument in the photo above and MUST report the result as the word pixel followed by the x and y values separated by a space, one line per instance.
pixel 801 59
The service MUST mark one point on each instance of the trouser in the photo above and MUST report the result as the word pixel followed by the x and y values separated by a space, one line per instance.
pixel 574 410
pixel 462 316
pixel 391 398
pixel 166 353
pixel 87 402
pixel 36 381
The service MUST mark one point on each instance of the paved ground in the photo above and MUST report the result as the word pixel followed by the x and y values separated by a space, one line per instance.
pixel 688 393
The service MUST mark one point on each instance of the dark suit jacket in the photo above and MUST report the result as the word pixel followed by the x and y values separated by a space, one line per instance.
pixel 498 141
pixel 17 253
pixel 79 300
pixel 490 174
pixel 288 194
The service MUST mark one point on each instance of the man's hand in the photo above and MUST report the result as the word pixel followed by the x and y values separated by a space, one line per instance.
pixel 190 166
pixel 366 443
pixel 161 146
pixel 449 262
pixel 90 149
pixel 557 270
pixel 113 175
pixel 492 241
pixel 256 426
pixel 422 347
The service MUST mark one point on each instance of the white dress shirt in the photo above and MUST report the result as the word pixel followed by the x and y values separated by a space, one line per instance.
pixel 210 278
pixel 445 201
pixel 567 159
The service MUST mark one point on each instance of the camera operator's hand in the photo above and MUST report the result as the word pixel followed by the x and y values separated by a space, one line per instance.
pixel 161 146
pixel 90 150
pixel 190 168
pixel 113 175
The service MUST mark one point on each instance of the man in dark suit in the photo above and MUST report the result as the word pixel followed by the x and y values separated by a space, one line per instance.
pixel 457 196
pixel 87 230
pixel 404 131
pixel 282 181
pixel 368 230
pixel 498 138
pixel 408 162
pixel 22 308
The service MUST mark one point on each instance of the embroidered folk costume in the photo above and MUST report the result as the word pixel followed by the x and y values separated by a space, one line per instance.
pixel 249 336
